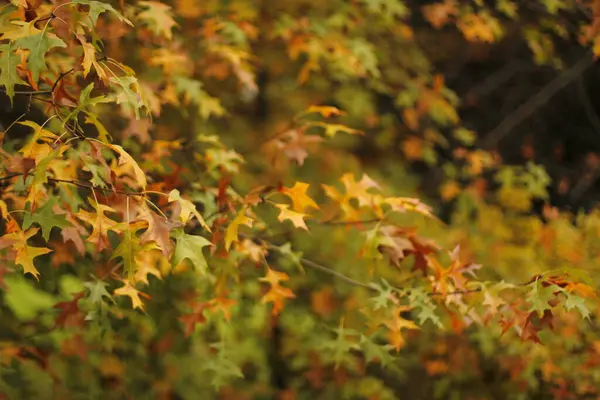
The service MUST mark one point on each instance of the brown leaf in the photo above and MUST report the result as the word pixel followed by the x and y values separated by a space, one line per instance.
pixel 70 315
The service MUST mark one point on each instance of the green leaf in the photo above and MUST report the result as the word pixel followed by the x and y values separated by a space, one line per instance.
pixel 421 299
pixel 292 256
pixel 8 69
pixel 128 96
pixel 376 352
pixel 127 250
pixel 46 218
pixel 539 296
pixel 97 8
pixel 190 247
pixel 97 291
pixel 24 299
pixel 38 45
pixel 193 93
pixel 465 136
pixel 574 301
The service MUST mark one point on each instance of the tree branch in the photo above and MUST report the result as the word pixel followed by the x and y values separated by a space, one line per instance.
pixel 530 106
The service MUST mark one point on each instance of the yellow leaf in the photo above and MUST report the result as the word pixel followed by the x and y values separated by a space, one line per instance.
pixel 332 129
pixel 25 256
pixel 126 159
pixel 89 59
pixel 36 150
pixel 325 111
pixel 295 217
pixel 276 293
pixel 158 17
pixel 133 293
pixel 299 198
pixel 231 234
pixel 187 209
pixel 20 3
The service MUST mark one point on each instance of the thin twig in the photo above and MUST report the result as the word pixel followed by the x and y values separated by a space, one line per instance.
pixel 530 106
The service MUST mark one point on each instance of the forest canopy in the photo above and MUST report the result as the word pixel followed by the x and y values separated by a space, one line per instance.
pixel 236 199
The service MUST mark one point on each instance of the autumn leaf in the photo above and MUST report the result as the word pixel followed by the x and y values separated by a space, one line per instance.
pixel 126 159
pixel 325 111
pixel 158 17
pixel 47 218
pixel 397 325
pixel 101 224
pixel 89 59
pixel 98 7
pixel 8 69
pixel 128 93
pixel 231 233
pixel 158 229
pixel 24 253
pixel 190 247
pixel 128 290
pixel 187 209
pixel 300 199
pixel 439 14
pixel 277 293
pixel 34 149
pixel 130 248
pixel 38 43
pixel 296 218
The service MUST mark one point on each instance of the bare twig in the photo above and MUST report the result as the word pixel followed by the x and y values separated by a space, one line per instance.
pixel 530 106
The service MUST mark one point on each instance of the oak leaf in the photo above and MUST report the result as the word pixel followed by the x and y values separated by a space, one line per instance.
pixel 300 199
pixel 296 218
pixel 128 290
pixel 276 293
pixel 231 233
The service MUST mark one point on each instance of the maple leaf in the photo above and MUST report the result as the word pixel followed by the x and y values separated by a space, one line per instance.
pixel 158 17
pixel 47 217
pixel 299 198
pixel 187 209
pixel 8 69
pixel 276 293
pixel 128 290
pixel 190 247
pixel 295 217
pixel 231 233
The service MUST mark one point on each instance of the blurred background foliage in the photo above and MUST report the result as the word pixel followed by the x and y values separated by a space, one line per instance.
pixel 484 110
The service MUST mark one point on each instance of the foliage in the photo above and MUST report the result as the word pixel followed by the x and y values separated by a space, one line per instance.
pixel 194 216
